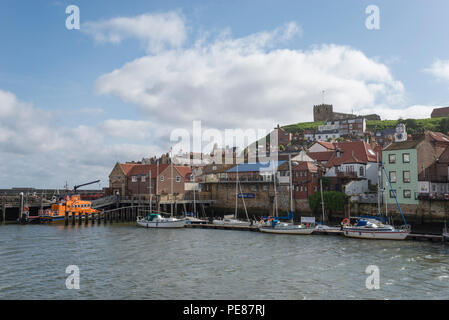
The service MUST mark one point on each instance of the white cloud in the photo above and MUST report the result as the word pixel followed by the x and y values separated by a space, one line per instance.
pixel 156 31
pixel 410 112
pixel 440 69
pixel 249 81
pixel 36 151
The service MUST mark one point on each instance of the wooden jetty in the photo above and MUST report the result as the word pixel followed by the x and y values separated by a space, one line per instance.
pixel 221 226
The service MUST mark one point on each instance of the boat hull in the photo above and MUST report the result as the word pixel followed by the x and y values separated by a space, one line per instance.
pixel 231 223
pixel 162 224
pixel 299 231
pixel 379 235
pixel 446 237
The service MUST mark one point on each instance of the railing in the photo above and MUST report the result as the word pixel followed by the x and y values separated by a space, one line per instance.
pixel 346 174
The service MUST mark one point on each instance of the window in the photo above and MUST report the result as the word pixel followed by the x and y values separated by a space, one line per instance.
pixel 392 176
pixel 305 173
pixel 392 158
pixel 406 157
pixel 407 194
pixel 143 178
pixel 362 171
pixel 406 176
pixel 162 178
pixel 134 179
pixel 178 179
pixel 391 193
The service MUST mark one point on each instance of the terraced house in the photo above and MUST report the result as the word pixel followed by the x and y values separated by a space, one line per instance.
pixel 408 165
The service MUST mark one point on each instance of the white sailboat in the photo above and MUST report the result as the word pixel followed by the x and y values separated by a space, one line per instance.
pixel 155 220
pixel 445 232
pixel 192 217
pixel 230 220
pixel 322 226
pixel 274 226
pixel 367 228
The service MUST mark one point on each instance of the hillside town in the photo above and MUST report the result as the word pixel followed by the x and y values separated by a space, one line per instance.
pixel 341 154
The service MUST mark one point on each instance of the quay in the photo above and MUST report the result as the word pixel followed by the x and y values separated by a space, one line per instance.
pixel 411 236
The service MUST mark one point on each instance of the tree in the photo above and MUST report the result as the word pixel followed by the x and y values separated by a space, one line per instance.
pixel 333 201
pixel 444 125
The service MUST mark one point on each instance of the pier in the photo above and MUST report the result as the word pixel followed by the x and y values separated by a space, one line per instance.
pixel 411 236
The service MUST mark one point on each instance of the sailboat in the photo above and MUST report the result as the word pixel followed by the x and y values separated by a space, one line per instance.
pixel 274 225
pixel 372 228
pixel 322 226
pixel 232 220
pixel 445 232
pixel 192 217
pixel 155 220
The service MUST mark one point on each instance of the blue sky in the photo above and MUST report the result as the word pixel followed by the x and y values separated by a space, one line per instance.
pixel 66 76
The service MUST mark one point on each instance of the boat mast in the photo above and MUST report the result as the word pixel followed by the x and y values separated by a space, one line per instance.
pixel 275 194
pixel 394 194
pixel 291 182
pixel 151 202
pixel 378 182
pixel 194 203
pixel 236 191
pixel 243 200
pixel 171 174
pixel 322 200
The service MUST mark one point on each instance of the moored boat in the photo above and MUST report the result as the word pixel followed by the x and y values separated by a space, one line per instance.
pixel 230 222
pixel 445 233
pixel 374 229
pixel 155 220
pixel 72 205
pixel 277 227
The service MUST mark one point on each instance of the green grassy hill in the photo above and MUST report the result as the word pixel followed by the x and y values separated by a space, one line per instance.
pixel 413 125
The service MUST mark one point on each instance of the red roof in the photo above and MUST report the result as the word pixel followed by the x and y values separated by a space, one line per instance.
pixel 144 169
pixel 321 156
pixel 127 167
pixel 305 165
pixel 185 171
pixel 327 145
pixel 352 152
pixel 438 136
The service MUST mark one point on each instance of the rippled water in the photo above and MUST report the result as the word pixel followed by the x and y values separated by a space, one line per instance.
pixel 127 262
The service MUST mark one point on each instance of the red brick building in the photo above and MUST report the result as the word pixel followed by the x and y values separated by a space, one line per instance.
pixel 179 175
pixel 139 178
pixel 305 179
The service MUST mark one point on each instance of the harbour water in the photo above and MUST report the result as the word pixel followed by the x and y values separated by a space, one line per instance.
pixel 123 261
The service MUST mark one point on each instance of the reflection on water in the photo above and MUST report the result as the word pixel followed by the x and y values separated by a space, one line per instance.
pixel 123 261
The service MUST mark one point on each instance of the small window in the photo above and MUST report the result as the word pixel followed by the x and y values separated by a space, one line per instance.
pixel 362 171
pixel 406 157
pixel 178 179
pixel 143 178
pixel 392 194
pixel 392 158
pixel 392 176
pixel 162 178
pixel 407 194
pixel 134 179
pixel 406 176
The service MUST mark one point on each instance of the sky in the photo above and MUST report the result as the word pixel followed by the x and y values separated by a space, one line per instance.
pixel 74 102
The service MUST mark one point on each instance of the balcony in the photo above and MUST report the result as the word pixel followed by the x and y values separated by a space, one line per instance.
pixel 346 174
